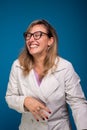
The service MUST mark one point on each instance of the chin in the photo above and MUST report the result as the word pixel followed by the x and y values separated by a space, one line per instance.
pixel 33 53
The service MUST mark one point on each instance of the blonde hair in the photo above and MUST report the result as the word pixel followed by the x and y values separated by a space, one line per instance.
pixel 26 59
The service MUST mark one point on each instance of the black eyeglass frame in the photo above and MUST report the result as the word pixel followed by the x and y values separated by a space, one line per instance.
pixel 33 34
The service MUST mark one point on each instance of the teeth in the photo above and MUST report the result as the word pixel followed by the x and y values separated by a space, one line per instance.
pixel 33 46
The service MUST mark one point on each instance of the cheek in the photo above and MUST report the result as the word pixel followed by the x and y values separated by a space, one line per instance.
pixel 27 44
pixel 44 43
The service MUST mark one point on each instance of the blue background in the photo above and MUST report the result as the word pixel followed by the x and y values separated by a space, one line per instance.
pixel 69 17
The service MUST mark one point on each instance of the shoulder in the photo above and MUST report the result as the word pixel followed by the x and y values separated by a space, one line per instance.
pixel 66 68
pixel 63 63
pixel 16 64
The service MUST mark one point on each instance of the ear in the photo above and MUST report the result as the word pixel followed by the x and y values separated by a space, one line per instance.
pixel 51 41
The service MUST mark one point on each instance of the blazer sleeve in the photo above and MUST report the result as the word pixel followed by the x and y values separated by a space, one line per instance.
pixel 75 97
pixel 13 98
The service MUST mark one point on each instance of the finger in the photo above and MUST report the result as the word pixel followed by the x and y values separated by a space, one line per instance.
pixel 46 109
pixel 35 115
pixel 39 114
pixel 43 115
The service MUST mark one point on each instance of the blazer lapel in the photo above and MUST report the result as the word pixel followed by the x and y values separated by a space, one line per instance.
pixel 49 85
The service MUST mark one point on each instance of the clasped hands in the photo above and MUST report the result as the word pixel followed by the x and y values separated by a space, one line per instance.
pixel 37 108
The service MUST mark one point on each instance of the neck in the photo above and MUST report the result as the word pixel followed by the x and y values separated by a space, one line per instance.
pixel 39 60
pixel 38 64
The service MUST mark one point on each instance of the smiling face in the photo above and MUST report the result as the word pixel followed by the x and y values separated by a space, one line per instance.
pixel 38 47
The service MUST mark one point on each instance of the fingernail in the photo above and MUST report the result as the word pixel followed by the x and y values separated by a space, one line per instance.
pixel 46 117
pixel 43 118
pixel 50 112
pixel 37 120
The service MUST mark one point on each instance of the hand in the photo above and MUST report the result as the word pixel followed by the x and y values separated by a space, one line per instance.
pixel 37 108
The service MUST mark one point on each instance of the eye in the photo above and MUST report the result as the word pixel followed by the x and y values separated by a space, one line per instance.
pixel 28 35
pixel 37 34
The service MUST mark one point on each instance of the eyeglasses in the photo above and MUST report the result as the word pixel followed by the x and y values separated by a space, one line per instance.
pixel 36 35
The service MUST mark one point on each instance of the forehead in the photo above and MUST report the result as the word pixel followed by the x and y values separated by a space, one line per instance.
pixel 38 28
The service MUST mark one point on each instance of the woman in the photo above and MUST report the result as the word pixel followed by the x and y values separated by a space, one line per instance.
pixel 41 84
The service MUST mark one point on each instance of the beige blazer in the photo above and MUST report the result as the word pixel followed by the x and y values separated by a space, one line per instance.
pixel 57 88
